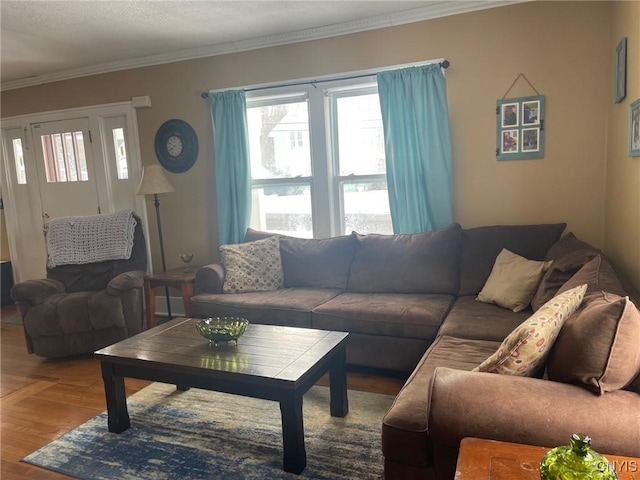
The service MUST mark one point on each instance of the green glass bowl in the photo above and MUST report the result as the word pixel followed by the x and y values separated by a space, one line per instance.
pixel 222 329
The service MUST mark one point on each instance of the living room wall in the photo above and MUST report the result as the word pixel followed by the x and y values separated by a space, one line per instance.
pixel 622 210
pixel 563 48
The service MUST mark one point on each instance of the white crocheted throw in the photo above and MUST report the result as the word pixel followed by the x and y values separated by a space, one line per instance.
pixel 90 239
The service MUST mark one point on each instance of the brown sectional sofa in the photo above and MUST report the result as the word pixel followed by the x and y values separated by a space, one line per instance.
pixel 409 304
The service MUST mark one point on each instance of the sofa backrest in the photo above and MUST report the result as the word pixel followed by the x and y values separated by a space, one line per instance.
pixel 481 246
pixel 313 263
pixel 96 276
pixel 413 263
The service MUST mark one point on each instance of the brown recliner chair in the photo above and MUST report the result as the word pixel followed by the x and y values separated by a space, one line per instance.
pixel 79 309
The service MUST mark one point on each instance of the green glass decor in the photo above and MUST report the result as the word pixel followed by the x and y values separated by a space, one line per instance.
pixel 576 462
pixel 222 329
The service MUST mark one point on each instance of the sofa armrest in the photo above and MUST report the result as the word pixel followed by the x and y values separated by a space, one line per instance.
pixel 125 281
pixel 209 279
pixel 35 292
pixel 530 410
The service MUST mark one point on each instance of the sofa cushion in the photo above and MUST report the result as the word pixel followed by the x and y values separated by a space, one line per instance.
pixel 559 273
pixel 404 427
pixel 413 263
pixel 599 345
pixel 389 314
pixel 525 349
pixel 311 262
pixel 475 320
pixel 513 281
pixel 252 267
pixel 599 275
pixel 481 246
pixel 287 306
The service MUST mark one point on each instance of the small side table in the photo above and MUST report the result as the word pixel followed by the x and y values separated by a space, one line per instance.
pixel 481 459
pixel 181 278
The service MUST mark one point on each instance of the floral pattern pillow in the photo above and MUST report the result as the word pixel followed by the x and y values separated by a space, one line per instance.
pixel 253 266
pixel 526 348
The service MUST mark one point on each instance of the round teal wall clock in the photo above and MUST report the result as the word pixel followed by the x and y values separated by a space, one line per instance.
pixel 176 145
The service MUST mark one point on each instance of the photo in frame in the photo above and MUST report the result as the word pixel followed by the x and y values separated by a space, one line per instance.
pixel 634 129
pixel 520 128
pixel 621 70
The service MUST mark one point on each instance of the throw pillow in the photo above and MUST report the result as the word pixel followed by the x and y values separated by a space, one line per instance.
pixel 599 275
pixel 525 350
pixel 559 273
pixel 597 347
pixel 513 281
pixel 567 244
pixel 252 267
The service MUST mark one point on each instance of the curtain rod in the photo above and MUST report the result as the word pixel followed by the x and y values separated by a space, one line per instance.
pixel 444 64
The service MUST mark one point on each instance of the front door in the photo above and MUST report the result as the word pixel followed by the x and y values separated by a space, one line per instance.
pixel 66 170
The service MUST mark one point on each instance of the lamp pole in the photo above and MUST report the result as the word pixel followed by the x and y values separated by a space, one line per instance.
pixel 156 203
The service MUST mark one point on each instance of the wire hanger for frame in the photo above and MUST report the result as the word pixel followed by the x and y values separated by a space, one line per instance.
pixel 514 82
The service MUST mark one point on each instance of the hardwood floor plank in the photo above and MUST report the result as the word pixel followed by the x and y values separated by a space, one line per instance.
pixel 41 399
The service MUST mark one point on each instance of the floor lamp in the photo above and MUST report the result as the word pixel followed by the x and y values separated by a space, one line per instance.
pixel 154 182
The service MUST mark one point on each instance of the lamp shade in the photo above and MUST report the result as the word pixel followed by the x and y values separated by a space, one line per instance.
pixel 153 181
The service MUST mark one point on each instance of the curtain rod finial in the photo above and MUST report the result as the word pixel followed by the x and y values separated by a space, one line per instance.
pixel 204 94
pixel 445 64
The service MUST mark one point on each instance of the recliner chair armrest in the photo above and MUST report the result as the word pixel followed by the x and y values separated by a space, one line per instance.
pixel 125 281
pixel 35 292
pixel 530 410
pixel 209 279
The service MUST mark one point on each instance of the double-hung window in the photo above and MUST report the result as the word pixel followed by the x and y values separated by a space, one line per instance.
pixel 317 159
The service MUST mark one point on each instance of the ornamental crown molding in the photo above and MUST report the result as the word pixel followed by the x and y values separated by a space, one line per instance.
pixel 436 10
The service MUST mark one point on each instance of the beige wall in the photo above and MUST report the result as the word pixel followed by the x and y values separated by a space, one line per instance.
pixel 562 47
pixel 622 226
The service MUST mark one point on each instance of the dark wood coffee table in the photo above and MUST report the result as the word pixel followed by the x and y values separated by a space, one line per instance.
pixel 269 362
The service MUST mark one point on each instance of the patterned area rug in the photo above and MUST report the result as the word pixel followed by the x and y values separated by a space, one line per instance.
pixel 209 435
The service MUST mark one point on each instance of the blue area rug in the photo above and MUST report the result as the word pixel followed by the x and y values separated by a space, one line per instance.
pixel 209 435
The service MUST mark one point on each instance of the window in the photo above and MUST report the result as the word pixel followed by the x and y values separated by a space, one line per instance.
pixel 64 157
pixel 21 174
pixel 121 153
pixel 317 160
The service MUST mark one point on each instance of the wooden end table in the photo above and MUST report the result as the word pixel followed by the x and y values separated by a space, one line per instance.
pixel 481 459
pixel 181 278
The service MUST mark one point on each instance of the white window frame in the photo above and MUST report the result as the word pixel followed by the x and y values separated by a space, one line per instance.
pixel 325 182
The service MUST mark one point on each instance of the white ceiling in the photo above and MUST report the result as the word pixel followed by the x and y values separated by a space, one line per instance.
pixel 49 40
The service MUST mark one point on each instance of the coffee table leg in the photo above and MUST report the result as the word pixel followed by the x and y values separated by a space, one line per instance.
pixel 338 384
pixel 118 417
pixel 295 455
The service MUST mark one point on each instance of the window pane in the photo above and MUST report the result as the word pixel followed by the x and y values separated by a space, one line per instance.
pixel 121 153
pixel 279 140
pixel 21 174
pixel 360 137
pixel 366 208
pixel 282 209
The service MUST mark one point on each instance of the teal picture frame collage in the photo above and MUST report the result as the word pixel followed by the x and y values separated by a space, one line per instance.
pixel 520 128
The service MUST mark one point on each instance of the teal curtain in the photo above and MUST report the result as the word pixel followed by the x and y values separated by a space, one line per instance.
pixel 232 167
pixel 417 140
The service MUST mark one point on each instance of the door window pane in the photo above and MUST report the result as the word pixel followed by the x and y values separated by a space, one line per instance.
pixel 284 209
pixel 64 157
pixel 279 140
pixel 21 174
pixel 366 207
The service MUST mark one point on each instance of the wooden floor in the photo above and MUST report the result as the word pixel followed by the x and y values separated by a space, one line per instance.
pixel 41 399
